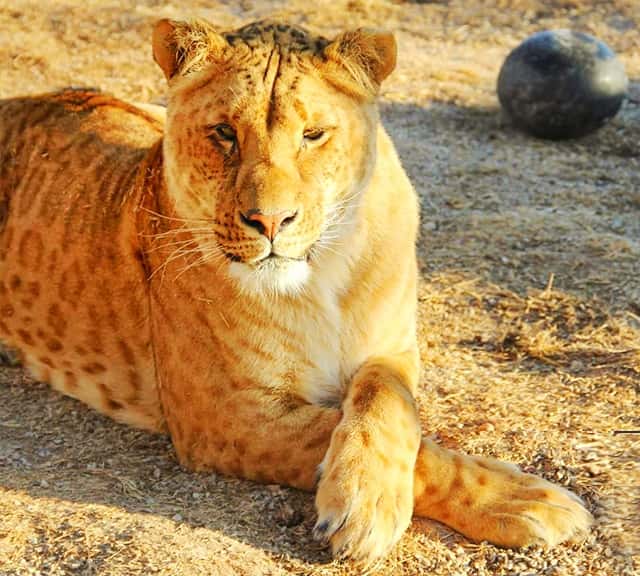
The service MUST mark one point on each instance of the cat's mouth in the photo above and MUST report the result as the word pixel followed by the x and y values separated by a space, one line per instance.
pixel 274 256
pixel 272 259
pixel 272 274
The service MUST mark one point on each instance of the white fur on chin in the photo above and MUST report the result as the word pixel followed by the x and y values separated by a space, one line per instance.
pixel 284 277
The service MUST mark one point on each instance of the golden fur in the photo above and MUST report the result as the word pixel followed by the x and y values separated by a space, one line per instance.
pixel 244 277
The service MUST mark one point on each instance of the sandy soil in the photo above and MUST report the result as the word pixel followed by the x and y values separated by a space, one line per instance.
pixel 529 302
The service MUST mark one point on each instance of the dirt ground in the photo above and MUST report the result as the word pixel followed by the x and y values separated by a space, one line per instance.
pixel 529 303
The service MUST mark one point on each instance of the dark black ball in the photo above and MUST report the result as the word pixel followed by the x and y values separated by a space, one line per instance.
pixel 561 84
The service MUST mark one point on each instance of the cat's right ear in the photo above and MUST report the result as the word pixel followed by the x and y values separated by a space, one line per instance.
pixel 184 47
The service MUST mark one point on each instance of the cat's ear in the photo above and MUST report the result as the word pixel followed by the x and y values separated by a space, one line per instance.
pixel 367 56
pixel 183 47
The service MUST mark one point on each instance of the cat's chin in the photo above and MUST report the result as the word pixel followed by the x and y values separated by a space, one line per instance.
pixel 271 276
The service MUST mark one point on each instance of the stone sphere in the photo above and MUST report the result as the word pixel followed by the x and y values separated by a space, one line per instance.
pixel 561 84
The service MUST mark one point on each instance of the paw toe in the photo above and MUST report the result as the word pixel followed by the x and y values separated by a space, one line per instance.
pixel 551 515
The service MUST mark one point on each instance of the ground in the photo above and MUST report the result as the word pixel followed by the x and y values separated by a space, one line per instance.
pixel 529 306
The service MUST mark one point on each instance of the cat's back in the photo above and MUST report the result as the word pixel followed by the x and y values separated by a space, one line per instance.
pixel 72 284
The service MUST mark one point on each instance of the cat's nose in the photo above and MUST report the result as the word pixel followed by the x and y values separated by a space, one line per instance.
pixel 268 224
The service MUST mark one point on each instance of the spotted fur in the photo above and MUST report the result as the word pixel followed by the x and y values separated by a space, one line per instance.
pixel 243 276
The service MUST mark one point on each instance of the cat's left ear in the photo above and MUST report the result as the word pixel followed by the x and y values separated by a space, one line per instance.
pixel 367 56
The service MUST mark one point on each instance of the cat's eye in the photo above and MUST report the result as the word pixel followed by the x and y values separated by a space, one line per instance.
pixel 314 134
pixel 223 132
pixel 315 137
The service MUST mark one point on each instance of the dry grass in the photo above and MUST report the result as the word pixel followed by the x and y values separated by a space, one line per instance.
pixel 530 307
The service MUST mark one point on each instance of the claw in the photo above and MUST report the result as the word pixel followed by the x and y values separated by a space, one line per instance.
pixel 342 553
pixel 324 530
pixel 339 526
pixel 319 531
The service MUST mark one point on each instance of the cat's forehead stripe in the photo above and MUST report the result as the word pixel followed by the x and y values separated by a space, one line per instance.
pixel 288 38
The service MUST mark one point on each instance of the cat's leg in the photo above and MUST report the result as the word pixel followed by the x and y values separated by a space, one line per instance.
pixel 365 494
pixel 486 499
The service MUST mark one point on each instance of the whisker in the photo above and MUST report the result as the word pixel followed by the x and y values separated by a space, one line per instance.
pixel 176 243
pixel 179 231
pixel 319 247
pixel 341 223
pixel 196 262
pixel 175 219
pixel 194 236
pixel 177 253
pixel 346 199
pixel 214 251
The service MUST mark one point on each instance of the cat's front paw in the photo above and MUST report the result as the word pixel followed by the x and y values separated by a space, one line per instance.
pixel 365 493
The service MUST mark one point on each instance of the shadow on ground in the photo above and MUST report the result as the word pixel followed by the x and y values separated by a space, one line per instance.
pixel 521 212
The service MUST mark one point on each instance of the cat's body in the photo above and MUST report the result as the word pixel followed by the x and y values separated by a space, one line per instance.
pixel 245 277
